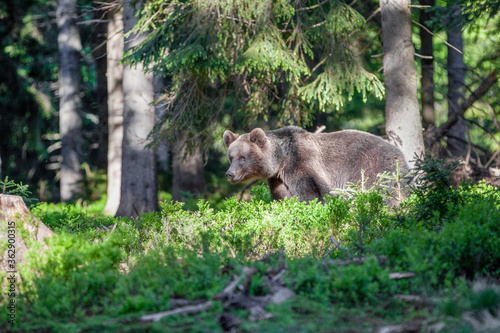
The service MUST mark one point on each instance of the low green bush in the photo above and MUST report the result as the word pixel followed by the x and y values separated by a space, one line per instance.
pixel 468 245
pixel 99 267
pixel 75 279
pixel 327 282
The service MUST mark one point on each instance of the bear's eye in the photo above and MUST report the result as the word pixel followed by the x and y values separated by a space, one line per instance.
pixel 242 158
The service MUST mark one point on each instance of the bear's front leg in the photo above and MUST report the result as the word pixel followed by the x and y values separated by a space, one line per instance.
pixel 309 187
pixel 278 189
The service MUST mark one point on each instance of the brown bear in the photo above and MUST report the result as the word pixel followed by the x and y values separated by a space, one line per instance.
pixel 309 165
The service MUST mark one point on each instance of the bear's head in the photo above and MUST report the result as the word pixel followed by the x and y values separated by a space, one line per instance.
pixel 247 155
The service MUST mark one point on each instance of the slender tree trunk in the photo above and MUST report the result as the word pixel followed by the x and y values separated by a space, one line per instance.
pixel 70 122
pixel 162 154
pixel 403 122
pixel 139 183
pixel 456 83
pixel 115 110
pixel 188 174
pixel 102 91
pixel 427 79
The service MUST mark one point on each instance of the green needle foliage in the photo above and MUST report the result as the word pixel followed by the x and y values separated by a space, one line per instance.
pixel 10 187
pixel 277 58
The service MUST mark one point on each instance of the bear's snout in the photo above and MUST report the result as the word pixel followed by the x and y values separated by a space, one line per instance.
pixel 230 176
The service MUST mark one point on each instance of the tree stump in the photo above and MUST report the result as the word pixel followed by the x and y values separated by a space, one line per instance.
pixel 17 224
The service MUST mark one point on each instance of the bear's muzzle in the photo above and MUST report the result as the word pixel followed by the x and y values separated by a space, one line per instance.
pixel 230 176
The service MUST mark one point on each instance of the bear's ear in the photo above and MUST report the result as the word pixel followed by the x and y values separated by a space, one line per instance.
pixel 258 137
pixel 229 137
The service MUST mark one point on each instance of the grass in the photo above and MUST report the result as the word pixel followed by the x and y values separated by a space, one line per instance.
pixel 90 279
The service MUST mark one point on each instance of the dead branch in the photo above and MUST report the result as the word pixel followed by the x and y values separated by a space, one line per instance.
pixel 311 7
pixel 436 133
pixel 320 129
pixel 191 309
pixel 228 292
pixel 239 298
pixel 336 243
pixel 358 261
pixel 246 187
pixel 433 34
pixel 409 298
pixel 484 129
pixel 492 158
pixel 181 302
pixel 484 150
pixel 402 275
pixel 411 326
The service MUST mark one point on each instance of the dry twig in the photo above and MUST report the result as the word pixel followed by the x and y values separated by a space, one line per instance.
pixel 191 309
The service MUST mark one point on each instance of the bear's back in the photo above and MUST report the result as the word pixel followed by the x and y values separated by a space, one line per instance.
pixel 346 153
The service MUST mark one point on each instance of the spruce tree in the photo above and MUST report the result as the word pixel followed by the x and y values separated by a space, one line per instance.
pixel 251 58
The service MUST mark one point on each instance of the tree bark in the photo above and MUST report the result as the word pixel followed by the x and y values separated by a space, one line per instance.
pixel 70 122
pixel 115 110
pixel 427 79
pixel 188 174
pixel 162 151
pixel 403 122
pixel 100 59
pixel 138 193
pixel 456 82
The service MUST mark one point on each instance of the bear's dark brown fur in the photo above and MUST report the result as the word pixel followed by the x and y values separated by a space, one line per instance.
pixel 308 165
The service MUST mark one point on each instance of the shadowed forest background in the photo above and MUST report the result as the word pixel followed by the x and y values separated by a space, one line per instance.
pixel 114 207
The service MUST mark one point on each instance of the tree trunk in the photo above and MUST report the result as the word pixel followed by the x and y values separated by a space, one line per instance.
pixel 188 174
pixel 162 153
pixel 427 79
pixel 100 59
pixel 115 110
pixel 138 194
pixel 456 82
pixel 70 122
pixel 403 122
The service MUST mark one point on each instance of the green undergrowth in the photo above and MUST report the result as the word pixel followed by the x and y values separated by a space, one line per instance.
pixel 100 273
